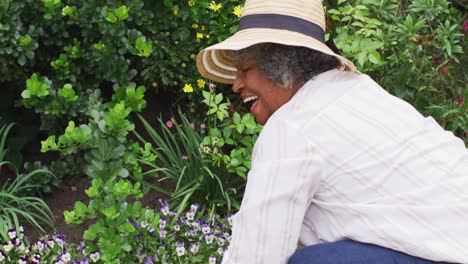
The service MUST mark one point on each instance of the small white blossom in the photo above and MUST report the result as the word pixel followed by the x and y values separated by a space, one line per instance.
pixel 194 248
pixel 180 251
pixel 212 260
pixel 220 241
pixel 143 224
pixel 66 257
pixel 51 243
pixel 162 233
pixel 39 246
pixel 165 210
pixel 194 207
pixel 220 251
pixel 95 256
pixel 176 227
pixel 190 215
pixel 162 223
pixel 12 233
pixel 212 87
pixel 205 229
pixel 21 247
pixel 8 246
pixel 209 238
pixel 229 218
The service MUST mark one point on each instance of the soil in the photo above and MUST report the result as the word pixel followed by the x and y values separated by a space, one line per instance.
pixel 64 198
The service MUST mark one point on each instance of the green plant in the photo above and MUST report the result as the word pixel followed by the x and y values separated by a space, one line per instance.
pixel 16 249
pixel 15 207
pixel 111 233
pixel 182 159
pixel 414 49
pixel 153 236
pixel 230 137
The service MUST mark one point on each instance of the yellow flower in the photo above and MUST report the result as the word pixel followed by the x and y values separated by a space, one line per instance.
pixel 176 12
pixel 195 25
pixel 203 27
pixel 188 88
pixel 199 35
pixel 190 3
pixel 215 7
pixel 201 83
pixel 238 11
pixel 207 36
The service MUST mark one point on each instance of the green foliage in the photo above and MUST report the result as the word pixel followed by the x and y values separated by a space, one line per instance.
pixel 230 138
pixel 15 207
pixel 36 86
pixel 181 158
pixel 148 236
pixel 109 190
pixel 413 49
pixel 68 51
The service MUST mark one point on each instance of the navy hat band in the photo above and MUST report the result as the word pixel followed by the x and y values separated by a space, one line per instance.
pixel 282 22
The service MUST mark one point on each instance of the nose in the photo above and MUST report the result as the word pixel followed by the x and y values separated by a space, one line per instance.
pixel 237 85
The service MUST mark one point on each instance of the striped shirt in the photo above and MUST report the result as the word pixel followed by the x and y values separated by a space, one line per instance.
pixel 343 159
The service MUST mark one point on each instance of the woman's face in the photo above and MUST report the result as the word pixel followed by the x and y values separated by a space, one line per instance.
pixel 262 96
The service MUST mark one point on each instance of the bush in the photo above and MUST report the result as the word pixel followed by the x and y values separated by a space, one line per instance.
pixel 414 49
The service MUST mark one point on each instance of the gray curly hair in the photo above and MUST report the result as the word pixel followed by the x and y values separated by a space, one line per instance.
pixel 286 64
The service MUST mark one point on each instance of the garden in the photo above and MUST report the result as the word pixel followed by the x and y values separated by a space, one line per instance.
pixel 114 149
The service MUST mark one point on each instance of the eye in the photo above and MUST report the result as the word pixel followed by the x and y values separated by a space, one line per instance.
pixel 246 68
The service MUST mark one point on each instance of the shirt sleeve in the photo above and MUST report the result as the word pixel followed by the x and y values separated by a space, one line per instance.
pixel 280 186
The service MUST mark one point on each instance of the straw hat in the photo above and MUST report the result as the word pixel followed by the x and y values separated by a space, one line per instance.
pixel 287 22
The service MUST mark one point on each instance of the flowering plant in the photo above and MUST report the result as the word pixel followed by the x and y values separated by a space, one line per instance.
pixel 189 237
pixel 181 158
pixel 157 236
pixel 48 250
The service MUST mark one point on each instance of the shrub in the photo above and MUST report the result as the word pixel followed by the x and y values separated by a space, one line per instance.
pixel 414 49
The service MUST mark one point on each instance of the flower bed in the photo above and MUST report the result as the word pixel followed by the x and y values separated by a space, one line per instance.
pixel 161 236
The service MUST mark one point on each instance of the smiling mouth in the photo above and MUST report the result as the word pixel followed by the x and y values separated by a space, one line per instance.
pixel 249 101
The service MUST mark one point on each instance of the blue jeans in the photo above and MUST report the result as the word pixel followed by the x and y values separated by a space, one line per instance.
pixel 352 252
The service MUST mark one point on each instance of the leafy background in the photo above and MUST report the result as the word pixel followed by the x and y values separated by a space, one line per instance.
pixel 109 90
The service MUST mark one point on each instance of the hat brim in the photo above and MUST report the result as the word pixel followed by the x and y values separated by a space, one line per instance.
pixel 215 64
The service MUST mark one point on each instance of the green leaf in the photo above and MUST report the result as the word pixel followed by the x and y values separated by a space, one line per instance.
pixel 218 98
pixel 69 217
pixel 122 12
pixel 37 86
pixel 68 93
pixel 374 57
pixel 111 212
pixel 89 234
pixel 80 209
pixel 26 94
pixel 111 17
pixel 126 228
pixel 362 57
pixel 143 48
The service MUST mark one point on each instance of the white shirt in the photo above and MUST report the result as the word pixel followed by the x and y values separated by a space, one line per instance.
pixel 343 159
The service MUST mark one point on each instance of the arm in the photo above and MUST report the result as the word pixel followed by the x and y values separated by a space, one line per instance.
pixel 285 173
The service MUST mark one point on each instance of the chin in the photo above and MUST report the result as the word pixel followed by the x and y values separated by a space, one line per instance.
pixel 261 121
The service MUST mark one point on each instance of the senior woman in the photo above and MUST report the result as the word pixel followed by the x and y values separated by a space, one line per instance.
pixel 352 173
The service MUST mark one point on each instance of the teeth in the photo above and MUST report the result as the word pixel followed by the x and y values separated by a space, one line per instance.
pixel 250 98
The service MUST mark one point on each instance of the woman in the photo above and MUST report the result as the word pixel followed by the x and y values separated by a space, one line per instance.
pixel 352 173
